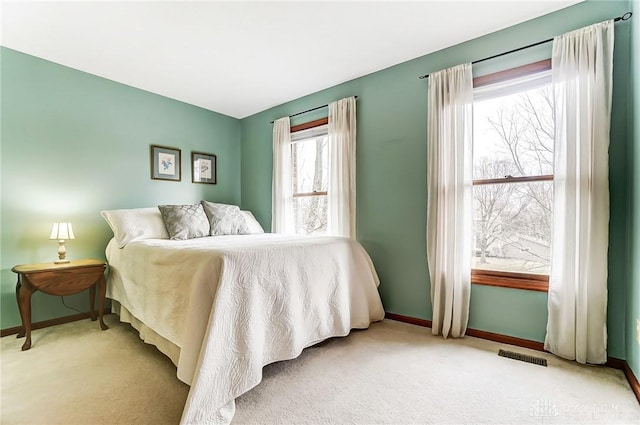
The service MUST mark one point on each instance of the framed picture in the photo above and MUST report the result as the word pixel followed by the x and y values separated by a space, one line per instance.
pixel 165 163
pixel 203 168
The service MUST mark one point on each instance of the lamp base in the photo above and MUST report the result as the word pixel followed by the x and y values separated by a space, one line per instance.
pixel 62 253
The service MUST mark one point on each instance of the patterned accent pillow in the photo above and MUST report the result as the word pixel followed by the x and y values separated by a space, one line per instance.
pixel 225 219
pixel 185 221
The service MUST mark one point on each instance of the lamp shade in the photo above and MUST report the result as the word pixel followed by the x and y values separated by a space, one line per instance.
pixel 62 231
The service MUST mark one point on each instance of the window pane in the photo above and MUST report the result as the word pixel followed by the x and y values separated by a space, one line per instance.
pixel 513 134
pixel 310 214
pixel 310 160
pixel 512 227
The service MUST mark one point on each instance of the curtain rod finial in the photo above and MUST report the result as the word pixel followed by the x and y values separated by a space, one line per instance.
pixel 624 17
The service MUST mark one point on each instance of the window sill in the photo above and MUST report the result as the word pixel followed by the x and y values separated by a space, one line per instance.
pixel 527 282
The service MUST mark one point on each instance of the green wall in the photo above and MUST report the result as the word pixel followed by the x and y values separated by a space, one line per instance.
pixel 74 144
pixel 86 138
pixel 391 172
pixel 633 296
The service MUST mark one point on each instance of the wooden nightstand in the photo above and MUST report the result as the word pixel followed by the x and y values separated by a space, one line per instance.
pixel 58 279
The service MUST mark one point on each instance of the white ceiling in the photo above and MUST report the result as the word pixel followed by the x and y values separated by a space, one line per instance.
pixel 239 58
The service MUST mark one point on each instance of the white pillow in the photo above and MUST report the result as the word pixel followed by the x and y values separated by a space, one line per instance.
pixel 135 224
pixel 252 223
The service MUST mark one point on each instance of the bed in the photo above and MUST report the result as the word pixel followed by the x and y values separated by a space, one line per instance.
pixel 222 307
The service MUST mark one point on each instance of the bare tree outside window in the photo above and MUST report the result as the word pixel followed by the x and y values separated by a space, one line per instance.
pixel 310 156
pixel 513 191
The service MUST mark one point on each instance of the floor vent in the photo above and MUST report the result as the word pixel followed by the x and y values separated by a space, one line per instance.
pixel 522 357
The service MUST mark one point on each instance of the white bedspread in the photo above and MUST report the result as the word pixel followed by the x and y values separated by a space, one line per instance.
pixel 234 304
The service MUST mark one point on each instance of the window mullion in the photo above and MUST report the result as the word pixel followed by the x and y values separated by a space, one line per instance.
pixel 510 179
pixel 299 195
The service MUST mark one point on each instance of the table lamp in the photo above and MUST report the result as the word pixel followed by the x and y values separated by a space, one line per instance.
pixel 61 232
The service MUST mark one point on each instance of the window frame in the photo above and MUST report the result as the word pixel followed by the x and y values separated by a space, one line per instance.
pixel 504 279
pixel 301 127
pixel 306 126
pixel 309 124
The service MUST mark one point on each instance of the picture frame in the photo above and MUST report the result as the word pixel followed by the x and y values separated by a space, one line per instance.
pixel 166 163
pixel 204 168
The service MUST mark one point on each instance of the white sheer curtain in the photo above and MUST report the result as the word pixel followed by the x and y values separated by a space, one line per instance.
pixel 582 67
pixel 282 188
pixel 341 205
pixel 449 185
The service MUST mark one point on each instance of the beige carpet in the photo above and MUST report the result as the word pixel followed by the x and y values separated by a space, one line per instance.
pixel 392 373
pixel 78 374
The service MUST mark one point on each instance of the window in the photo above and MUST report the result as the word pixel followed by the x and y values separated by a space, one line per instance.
pixel 310 160
pixel 513 138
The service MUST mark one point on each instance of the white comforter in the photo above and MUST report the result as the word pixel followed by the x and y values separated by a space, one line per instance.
pixel 234 304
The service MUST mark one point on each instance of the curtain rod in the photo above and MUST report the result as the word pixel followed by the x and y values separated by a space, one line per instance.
pixel 624 17
pixel 309 110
